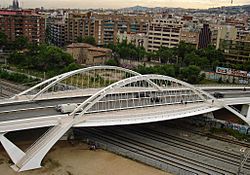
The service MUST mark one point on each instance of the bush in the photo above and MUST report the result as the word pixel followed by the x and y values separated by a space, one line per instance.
pixel 16 77
pixel 112 62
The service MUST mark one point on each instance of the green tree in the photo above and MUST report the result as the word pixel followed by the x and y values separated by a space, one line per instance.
pixel 44 58
pixel 20 43
pixel 112 62
pixel 191 74
pixel 182 50
pixel 87 39
pixel 3 39
pixel 166 55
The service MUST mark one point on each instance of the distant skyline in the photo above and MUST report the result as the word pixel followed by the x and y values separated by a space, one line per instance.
pixel 84 4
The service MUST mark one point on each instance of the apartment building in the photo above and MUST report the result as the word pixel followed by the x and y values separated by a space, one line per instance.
pixel 108 26
pixel 236 51
pixel 16 23
pixel 78 25
pixel 164 33
pixel 56 33
pixel 190 37
pixel 222 32
pixel 103 27
pixel 138 39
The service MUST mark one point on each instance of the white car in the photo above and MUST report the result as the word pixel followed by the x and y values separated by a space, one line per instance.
pixel 66 108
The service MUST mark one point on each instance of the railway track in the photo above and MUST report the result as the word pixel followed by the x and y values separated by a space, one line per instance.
pixel 221 156
pixel 190 146
pixel 8 89
pixel 163 155
pixel 209 135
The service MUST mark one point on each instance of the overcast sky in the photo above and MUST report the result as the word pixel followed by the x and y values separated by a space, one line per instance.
pixel 124 3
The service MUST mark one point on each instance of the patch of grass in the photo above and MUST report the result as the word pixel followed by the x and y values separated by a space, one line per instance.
pixel 230 132
pixel 52 164
pixel 206 81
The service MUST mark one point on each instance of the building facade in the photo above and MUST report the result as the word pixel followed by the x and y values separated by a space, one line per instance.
pixel 138 39
pixel 164 33
pixel 103 27
pixel 87 54
pixel 205 37
pixel 190 37
pixel 236 51
pixel 16 23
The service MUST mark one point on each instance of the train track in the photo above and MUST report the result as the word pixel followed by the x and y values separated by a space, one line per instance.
pixel 8 89
pixel 190 146
pixel 129 142
pixel 209 135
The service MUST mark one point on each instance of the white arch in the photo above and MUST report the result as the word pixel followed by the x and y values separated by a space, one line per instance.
pixel 62 77
pixel 86 105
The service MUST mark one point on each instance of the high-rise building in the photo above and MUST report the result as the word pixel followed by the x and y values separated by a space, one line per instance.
pixel 190 37
pixel 16 23
pixel 205 36
pixel 164 33
pixel 236 51
pixel 102 27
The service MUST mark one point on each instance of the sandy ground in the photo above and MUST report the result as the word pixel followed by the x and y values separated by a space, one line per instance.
pixel 65 159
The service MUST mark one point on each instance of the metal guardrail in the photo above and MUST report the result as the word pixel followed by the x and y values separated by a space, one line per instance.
pixel 223 85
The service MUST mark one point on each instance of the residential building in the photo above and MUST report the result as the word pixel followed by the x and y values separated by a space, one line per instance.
pixel 103 27
pixel 164 33
pixel 190 37
pixel 16 23
pixel 222 32
pixel 78 25
pixel 56 33
pixel 138 39
pixel 236 51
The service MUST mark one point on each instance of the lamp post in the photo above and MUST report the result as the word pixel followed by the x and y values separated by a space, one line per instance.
pixel 244 156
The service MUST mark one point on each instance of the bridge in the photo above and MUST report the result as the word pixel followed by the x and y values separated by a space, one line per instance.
pixel 106 95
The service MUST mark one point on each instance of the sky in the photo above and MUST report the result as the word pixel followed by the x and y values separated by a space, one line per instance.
pixel 83 4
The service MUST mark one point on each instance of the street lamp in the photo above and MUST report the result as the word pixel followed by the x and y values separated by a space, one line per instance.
pixel 244 156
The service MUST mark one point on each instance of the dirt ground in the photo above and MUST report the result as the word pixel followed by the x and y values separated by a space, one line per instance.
pixel 65 159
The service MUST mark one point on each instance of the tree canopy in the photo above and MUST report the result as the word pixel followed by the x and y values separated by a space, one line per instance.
pixel 87 39
pixel 3 39
pixel 43 58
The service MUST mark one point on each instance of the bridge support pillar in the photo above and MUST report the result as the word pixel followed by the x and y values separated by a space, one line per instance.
pixel 13 151
pixel 209 115
pixel 245 110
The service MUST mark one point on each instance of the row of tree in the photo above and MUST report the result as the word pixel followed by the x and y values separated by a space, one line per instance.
pixel 191 74
pixel 44 58
pixel 183 55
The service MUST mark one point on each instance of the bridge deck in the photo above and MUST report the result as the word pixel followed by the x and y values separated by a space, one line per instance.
pixel 120 117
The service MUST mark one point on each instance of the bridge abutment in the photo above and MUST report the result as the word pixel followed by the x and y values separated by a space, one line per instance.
pixel 245 110
pixel 209 115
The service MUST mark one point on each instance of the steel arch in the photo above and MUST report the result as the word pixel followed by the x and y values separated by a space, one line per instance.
pixel 86 105
pixel 61 77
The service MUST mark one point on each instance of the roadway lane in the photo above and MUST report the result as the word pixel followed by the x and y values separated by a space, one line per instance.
pixel 54 102
pixel 43 103
pixel 46 107
pixel 50 111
